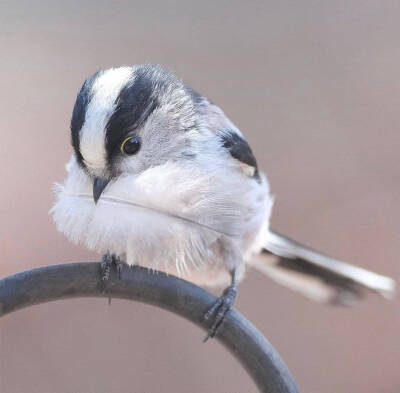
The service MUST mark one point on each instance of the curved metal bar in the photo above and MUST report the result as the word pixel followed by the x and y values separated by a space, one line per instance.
pixel 244 341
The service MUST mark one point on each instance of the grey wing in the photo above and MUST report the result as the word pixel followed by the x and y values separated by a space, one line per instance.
pixel 231 138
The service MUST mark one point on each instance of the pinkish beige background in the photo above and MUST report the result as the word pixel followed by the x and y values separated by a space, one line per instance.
pixel 315 87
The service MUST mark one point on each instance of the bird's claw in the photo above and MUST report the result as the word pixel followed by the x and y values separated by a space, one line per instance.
pixel 220 308
pixel 107 262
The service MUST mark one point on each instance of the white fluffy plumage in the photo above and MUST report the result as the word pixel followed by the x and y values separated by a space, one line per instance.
pixel 172 217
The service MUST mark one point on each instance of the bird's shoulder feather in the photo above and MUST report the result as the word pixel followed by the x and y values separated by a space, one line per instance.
pixel 232 140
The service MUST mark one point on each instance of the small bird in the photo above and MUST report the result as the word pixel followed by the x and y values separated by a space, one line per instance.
pixel 160 177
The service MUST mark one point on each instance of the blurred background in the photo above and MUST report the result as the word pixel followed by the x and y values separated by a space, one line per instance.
pixel 315 88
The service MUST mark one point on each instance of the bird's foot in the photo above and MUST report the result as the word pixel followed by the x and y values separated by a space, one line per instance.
pixel 220 308
pixel 107 263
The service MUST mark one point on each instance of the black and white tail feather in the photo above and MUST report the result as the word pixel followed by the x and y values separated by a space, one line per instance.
pixel 317 276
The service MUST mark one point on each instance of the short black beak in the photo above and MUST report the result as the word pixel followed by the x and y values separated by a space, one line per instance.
pixel 99 185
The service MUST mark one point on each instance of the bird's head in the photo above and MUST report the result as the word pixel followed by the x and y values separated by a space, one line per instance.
pixel 128 119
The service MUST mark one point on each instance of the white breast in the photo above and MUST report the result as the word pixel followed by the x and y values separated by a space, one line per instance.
pixel 144 227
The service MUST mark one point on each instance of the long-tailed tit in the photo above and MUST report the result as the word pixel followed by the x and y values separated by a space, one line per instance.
pixel 161 178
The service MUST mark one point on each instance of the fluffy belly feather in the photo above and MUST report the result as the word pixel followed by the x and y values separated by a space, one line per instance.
pixel 170 218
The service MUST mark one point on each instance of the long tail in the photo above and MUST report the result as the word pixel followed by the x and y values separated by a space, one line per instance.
pixel 317 276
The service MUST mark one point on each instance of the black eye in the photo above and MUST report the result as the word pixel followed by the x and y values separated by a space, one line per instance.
pixel 130 145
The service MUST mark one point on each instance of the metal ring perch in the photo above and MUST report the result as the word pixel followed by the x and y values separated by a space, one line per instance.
pixel 244 341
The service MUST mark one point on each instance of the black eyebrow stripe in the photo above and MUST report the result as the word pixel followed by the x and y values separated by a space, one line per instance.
pixel 134 104
pixel 111 147
pixel 79 114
